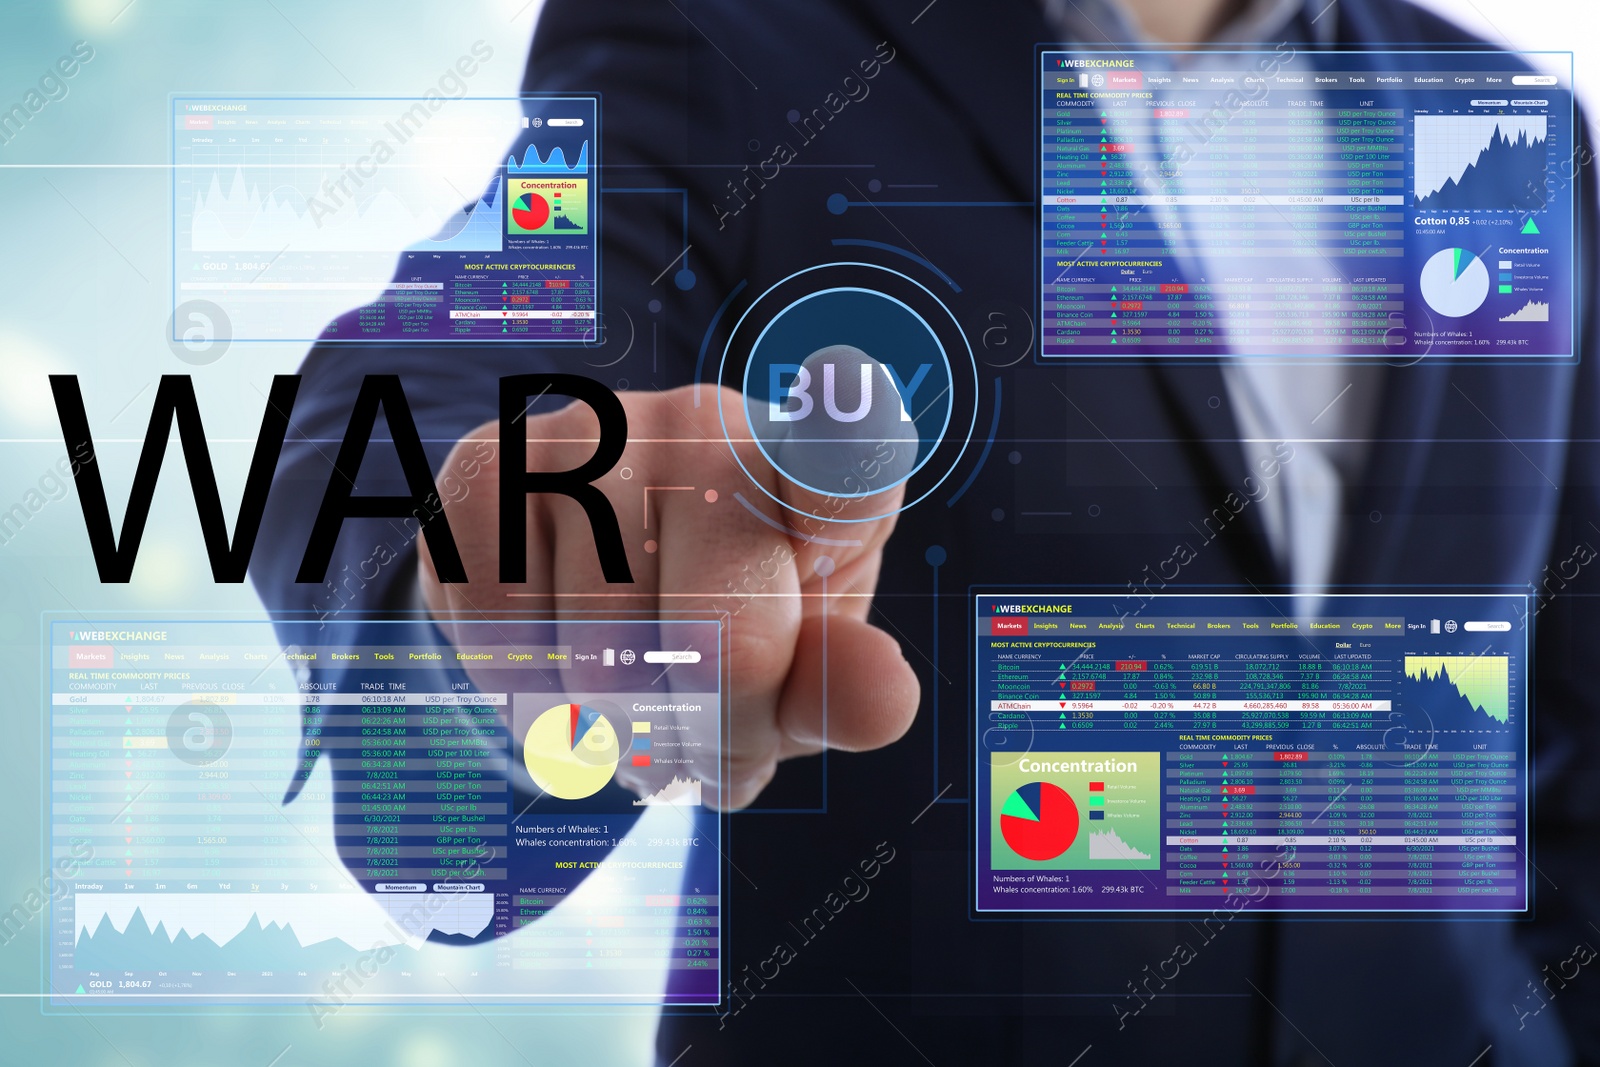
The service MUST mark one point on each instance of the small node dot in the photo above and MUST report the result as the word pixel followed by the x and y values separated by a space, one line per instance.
pixel 935 555
pixel 1376 516
pixel 997 514
pixel 622 383
pixel 655 307
pixel 1094 511
pixel 838 203
pixel 650 546
pixel 823 566
pixel 754 145
pixel 625 473
pixel 793 115
pixel 1015 458
pixel 684 279
pixel 1215 402
pixel 711 496
pixel 875 185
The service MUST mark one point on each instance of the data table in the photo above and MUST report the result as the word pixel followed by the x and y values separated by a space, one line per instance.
pixel 1164 754
pixel 1296 203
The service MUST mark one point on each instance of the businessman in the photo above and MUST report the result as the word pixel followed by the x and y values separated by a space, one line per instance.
pixel 1418 475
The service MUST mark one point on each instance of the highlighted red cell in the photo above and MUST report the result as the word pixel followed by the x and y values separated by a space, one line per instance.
pixel 1290 757
pixel 1132 665
pixel 1174 287
pixel 1085 685
pixel 1238 790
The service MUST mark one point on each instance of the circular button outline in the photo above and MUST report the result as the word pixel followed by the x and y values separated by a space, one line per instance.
pixel 938 344
pixel 954 324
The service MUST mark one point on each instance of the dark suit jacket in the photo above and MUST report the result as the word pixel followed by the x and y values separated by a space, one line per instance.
pixel 1482 476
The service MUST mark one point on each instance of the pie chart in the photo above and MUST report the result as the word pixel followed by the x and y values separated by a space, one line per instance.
pixel 571 751
pixel 530 211
pixel 1454 282
pixel 1039 821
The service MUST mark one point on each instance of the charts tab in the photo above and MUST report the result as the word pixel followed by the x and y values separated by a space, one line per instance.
pixel 249 817
pixel 1152 753
pixel 366 218
pixel 1291 204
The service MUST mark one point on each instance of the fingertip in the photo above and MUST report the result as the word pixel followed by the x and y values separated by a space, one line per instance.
pixel 741 792
pixel 896 702
pixel 854 692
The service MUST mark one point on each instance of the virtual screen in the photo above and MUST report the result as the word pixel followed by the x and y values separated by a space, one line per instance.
pixel 287 207
pixel 1277 204
pixel 463 810
pixel 1170 754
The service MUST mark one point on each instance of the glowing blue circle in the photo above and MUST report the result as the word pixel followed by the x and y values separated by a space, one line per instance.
pixel 912 356
pixel 972 417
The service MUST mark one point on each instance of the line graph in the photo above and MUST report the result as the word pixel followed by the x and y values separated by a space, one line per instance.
pixel 474 228
pixel 1106 845
pixel 1478 162
pixel 357 919
pixel 680 792
pixel 1532 311
pixel 1483 681
pixel 553 163
pixel 262 208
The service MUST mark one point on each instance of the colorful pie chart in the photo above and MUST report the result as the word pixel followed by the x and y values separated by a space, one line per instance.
pixel 571 751
pixel 530 211
pixel 1039 821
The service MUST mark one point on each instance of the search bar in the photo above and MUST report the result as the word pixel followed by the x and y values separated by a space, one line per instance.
pixel 579 122
pixel 1533 79
pixel 1493 627
pixel 673 656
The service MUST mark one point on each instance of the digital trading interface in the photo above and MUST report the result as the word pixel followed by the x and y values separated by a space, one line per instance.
pixel 1293 204
pixel 1185 753
pixel 288 210
pixel 458 829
